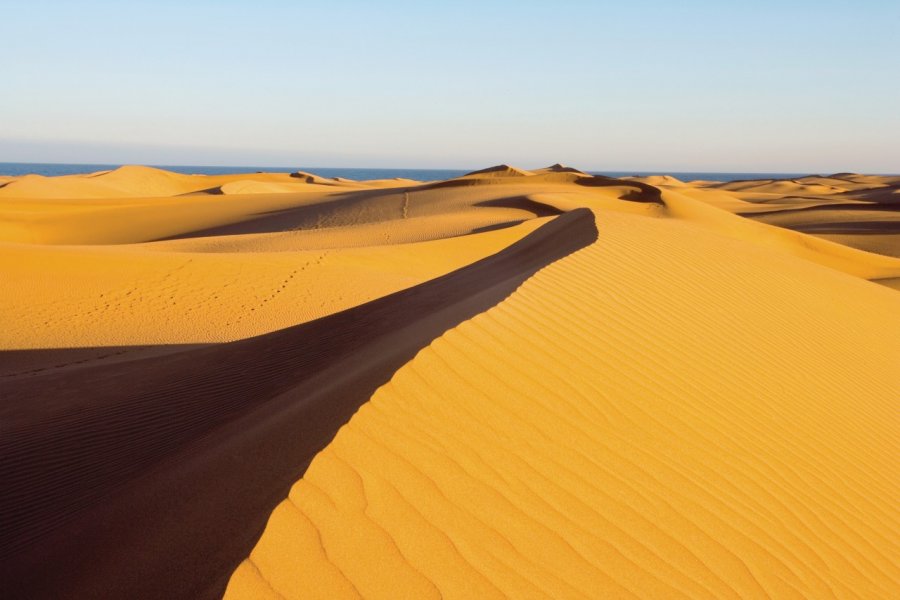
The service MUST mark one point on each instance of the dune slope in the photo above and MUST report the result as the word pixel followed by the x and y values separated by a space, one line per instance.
pixel 164 293
pixel 648 417
pixel 97 461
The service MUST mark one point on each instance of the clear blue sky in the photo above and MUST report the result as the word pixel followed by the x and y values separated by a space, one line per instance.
pixel 794 85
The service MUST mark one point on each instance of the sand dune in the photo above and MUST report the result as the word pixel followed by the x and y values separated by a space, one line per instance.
pixel 658 180
pixel 607 431
pixel 107 453
pixel 560 168
pixel 210 268
pixel 142 296
pixel 852 210
pixel 567 386
pixel 137 181
pixel 498 171
pixel 873 227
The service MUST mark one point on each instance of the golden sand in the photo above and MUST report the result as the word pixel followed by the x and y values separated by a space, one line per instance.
pixel 694 406
pixel 701 403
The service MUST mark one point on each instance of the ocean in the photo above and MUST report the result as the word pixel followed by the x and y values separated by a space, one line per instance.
pixel 54 169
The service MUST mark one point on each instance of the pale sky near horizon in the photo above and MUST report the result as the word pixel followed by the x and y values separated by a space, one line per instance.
pixel 790 86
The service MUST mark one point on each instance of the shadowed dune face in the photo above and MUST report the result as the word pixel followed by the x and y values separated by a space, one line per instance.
pixel 107 428
pixel 870 226
pixel 694 402
pixel 497 171
pixel 859 211
pixel 559 168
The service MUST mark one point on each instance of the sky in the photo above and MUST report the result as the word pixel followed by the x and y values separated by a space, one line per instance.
pixel 648 85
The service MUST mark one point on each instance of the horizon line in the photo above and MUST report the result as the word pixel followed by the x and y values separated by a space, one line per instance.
pixel 248 166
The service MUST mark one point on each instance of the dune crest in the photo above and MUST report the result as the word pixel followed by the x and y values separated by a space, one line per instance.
pixel 499 171
pixel 560 168
pixel 186 413
pixel 570 443
pixel 666 180
pixel 311 178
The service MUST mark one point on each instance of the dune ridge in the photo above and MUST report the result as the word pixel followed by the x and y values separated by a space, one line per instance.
pixel 608 432
pixel 134 433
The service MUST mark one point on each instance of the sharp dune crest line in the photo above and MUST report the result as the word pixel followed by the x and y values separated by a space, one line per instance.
pixel 647 417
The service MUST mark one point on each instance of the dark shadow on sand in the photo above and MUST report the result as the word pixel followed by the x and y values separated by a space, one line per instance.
pixel 154 477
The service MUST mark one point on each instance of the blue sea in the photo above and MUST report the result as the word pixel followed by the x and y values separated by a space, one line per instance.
pixel 53 169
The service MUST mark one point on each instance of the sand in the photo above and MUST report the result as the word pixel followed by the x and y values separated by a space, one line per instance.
pixel 517 383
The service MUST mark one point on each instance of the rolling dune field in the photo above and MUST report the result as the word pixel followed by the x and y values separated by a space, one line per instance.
pixel 512 384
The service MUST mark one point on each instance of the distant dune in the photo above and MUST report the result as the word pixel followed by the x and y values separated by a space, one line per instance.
pixel 499 171
pixel 515 383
